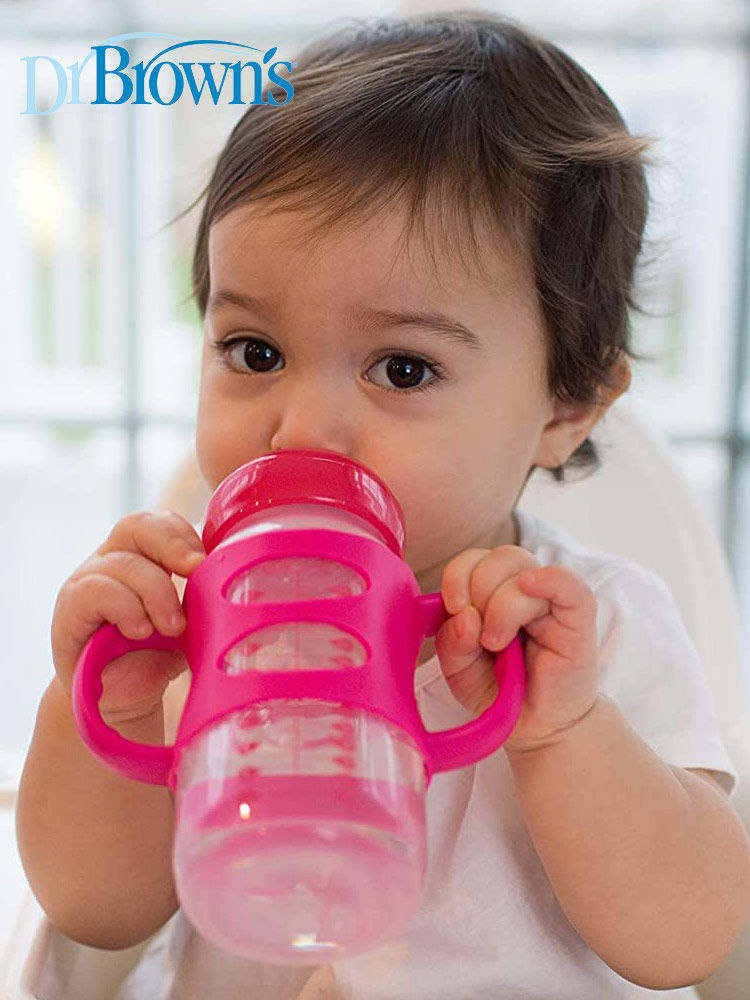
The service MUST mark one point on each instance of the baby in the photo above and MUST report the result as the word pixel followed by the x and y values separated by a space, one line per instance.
pixel 424 261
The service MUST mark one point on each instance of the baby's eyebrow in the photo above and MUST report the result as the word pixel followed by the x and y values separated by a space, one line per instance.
pixel 369 319
pixel 433 322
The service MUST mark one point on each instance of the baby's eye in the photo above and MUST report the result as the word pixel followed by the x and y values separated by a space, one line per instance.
pixel 405 371
pixel 408 368
pixel 256 352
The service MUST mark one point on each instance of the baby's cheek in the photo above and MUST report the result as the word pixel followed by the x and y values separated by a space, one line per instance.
pixel 217 453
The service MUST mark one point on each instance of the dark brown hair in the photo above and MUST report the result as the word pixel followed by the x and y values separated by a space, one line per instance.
pixel 467 114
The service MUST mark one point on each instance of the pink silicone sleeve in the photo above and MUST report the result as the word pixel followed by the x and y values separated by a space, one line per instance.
pixel 458 747
pixel 447 749
pixel 138 761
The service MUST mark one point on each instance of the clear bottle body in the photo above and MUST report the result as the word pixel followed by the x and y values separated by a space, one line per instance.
pixel 300 823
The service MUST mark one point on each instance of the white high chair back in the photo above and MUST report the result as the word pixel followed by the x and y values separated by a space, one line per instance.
pixel 639 505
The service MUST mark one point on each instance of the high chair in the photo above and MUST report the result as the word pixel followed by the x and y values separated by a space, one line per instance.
pixel 638 505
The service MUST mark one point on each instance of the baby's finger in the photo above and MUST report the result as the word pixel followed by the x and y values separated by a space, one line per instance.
pixel 508 610
pixel 500 567
pixel 570 597
pixel 167 539
pixel 136 682
pixel 457 641
pixel 85 605
pixel 467 667
pixel 457 572
pixel 146 579
pixel 573 609
pixel 474 575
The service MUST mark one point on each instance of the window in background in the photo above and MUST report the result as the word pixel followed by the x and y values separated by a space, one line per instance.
pixel 693 96
pixel 691 288
pixel 99 377
pixel 61 490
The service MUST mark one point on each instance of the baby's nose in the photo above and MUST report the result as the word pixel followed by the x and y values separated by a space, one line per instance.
pixel 309 432
pixel 312 417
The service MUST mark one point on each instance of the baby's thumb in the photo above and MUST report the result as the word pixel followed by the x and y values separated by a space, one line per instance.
pixel 457 642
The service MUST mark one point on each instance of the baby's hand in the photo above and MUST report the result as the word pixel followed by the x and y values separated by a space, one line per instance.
pixel 127 581
pixel 489 592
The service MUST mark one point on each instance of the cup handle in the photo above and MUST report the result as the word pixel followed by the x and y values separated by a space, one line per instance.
pixel 464 745
pixel 139 761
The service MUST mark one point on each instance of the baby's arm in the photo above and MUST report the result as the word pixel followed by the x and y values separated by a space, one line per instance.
pixel 649 862
pixel 96 846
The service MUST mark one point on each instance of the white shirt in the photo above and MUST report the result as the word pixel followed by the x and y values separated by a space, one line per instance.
pixel 489 926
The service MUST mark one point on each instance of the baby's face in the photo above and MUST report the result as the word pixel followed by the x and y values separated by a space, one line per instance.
pixel 312 373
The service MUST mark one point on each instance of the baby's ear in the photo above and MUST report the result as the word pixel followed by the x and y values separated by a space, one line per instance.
pixel 571 423
pixel 620 376
pixel 568 427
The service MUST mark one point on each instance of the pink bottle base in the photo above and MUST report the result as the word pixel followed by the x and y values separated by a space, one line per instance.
pixel 296 891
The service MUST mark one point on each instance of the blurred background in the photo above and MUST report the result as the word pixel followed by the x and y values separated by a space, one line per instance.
pixel 100 355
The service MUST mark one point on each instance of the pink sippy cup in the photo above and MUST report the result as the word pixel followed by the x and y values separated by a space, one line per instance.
pixel 301 761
